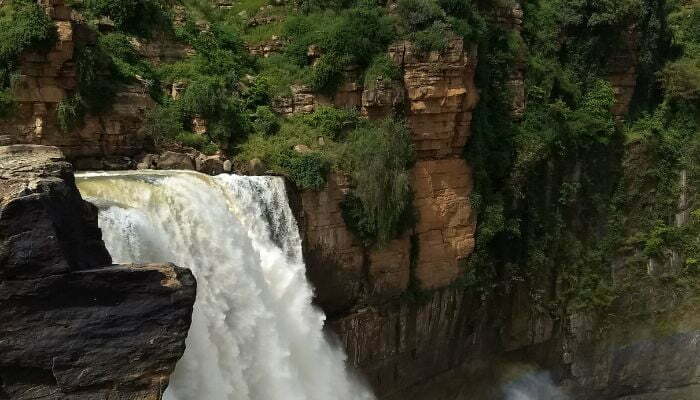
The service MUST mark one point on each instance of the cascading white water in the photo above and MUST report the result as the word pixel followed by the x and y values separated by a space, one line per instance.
pixel 255 334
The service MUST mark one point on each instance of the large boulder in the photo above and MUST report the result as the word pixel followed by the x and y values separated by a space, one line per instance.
pixel 73 325
pixel 173 160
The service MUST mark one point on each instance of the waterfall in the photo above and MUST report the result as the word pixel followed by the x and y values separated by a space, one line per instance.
pixel 255 334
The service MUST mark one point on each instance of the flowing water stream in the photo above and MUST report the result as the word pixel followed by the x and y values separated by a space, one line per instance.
pixel 255 334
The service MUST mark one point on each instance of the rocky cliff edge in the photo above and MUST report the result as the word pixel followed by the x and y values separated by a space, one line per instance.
pixel 73 325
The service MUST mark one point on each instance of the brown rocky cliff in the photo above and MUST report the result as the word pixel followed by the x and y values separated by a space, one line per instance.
pixel 370 295
pixel 45 79
pixel 74 327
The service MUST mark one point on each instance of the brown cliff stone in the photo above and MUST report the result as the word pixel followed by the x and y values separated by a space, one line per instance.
pixel 441 96
pixel 74 327
pixel 446 224
pixel 399 319
pixel 47 79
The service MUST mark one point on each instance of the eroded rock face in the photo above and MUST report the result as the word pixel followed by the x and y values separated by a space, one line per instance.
pixel 46 79
pixel 446 224
pixel 441 96
pixel 394 307
pixel 74 327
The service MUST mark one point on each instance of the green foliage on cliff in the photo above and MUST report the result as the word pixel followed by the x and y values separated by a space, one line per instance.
pixel 24 26
pixel 381 69
pixel 207 88
pixel 305 147
pixel 375 155
pixel 564 193
pixel 138 17
pixel 345 37
pixel 69 113
pixel 377 159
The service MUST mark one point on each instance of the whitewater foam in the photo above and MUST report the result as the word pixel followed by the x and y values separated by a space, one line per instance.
pixel 255 334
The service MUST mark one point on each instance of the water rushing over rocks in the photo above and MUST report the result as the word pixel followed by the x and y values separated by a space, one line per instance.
pixel 255 334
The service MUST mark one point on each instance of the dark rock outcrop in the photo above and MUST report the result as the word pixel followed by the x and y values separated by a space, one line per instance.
pixel 74 327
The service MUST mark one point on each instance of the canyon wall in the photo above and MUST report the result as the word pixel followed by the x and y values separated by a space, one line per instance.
pixel 398 309
pixel 46 79
pixel 73 325
pixel 401 311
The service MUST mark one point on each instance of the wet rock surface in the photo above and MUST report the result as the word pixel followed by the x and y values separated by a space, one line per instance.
pixel 73 325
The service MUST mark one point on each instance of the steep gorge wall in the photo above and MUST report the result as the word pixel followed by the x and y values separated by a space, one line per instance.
pixel 371 295
pixel 399 311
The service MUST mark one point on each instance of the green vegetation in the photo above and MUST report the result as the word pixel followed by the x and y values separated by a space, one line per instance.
pixel 377 159
pixel 305 146
pixel 562 192
pixel 565 193
pixel 347 37
pixel 138 17
pixel 381 69
pixel 69 113
pixel 23 26
pixel 375 155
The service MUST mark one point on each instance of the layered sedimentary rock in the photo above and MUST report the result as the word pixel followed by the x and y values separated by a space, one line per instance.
pixel 440 94
pixel 394 307
pixel 74 326
pixel 48 78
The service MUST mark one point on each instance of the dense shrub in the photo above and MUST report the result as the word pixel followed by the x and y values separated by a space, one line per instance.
pixel 330 122
pixel 23 26
pixel 211 88
pixel 308 6
pixel 69 113
pixel 347 37
pixel 132 16
pixel 318 132
pixel 377 159
pixel 434 38
pixel 96 87
pixel 266 121
pixel 420 14
pixel 308 171
pixel 383 69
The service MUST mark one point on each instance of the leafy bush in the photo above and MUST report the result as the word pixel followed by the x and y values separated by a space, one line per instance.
pixel 97 89
pixel 307 171
pixel 326 75
pixel 279 73
pixel 266 121
pixel 23 26
pixel 164 122
pixel 308 6
pixel 320 132
pixel 377 159
pixel 434 38
pixel 681 79
pixel 104 67
pixel 420 14
pixel 329 121
pixel 69 113
pixel 126 63
pixel 382 68
pixel 132 16
pixel 212 87
pixel 349 37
